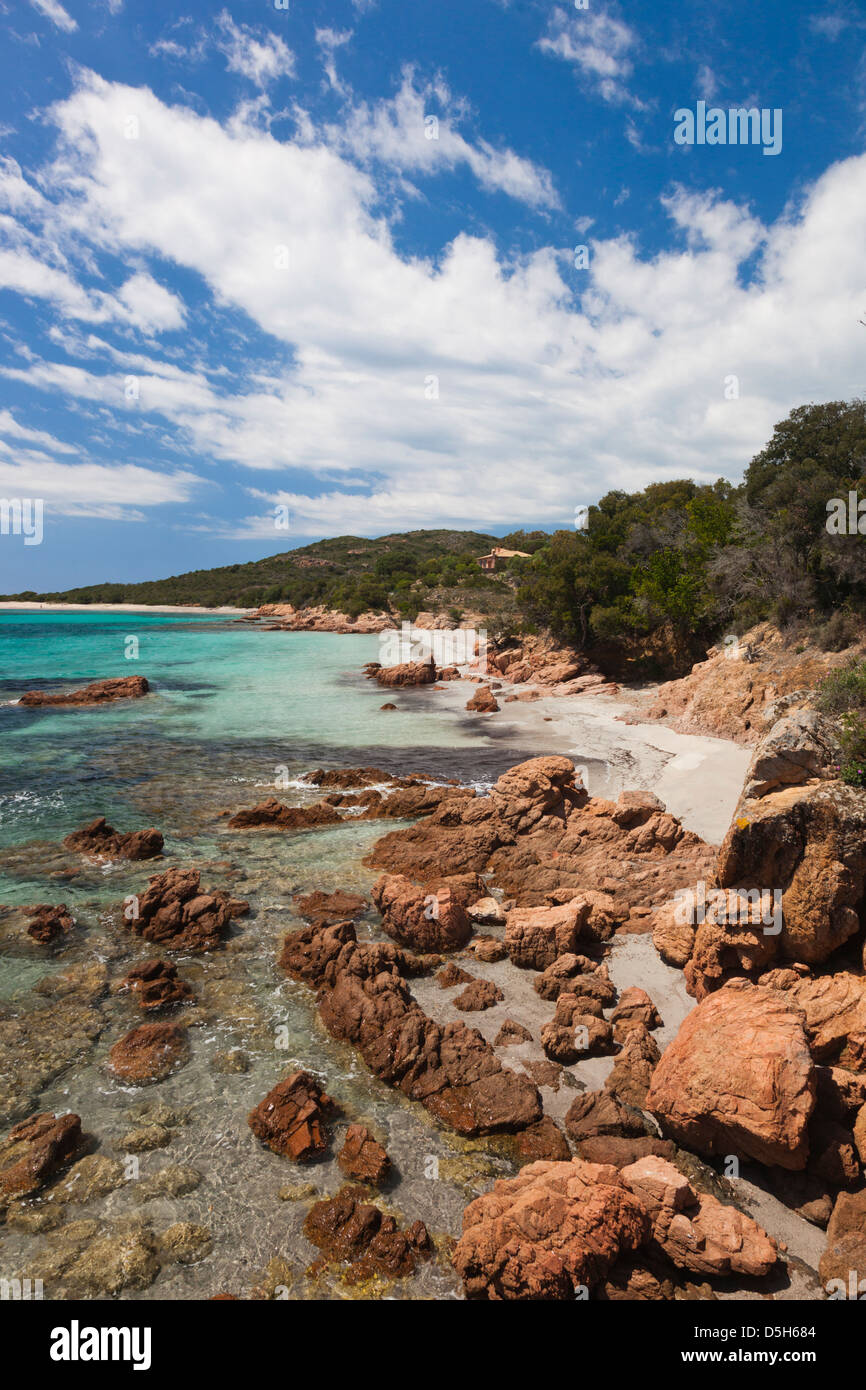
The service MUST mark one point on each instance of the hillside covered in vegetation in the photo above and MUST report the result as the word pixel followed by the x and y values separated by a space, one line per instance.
pixel 652 580
pixel 348 573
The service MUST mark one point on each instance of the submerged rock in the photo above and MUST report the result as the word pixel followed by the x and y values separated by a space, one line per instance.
pixel 155 985
pixel 329 907
pixel 347 1227
pixel 34 1151
pixel 272 812
pixel 149 1053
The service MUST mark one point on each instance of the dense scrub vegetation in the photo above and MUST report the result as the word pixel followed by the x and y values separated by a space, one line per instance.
pixel 842 694
pixel 348 573
pixel 654 578
pixel 670 568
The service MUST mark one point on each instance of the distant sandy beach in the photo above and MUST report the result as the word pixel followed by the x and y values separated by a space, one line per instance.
pixel 122 608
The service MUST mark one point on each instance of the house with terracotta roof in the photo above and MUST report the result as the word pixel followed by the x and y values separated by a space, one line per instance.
pixel 498 556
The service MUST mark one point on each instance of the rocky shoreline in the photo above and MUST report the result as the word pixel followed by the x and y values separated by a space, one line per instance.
pixel 658 1045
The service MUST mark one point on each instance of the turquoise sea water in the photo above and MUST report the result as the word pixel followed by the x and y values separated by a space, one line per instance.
pixel 230 705
pixel 232 709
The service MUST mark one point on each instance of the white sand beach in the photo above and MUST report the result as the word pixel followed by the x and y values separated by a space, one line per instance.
pixel 699 778
pixel 121 608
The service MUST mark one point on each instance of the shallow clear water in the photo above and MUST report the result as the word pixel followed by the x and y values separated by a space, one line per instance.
pixel 232 710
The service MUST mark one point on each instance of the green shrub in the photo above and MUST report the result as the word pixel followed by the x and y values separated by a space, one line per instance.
pixel 844 690
pixel 852 740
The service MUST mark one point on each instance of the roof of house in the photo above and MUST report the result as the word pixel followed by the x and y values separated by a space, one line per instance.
pixel 502 554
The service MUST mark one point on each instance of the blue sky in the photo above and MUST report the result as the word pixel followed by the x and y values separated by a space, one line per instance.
pixel 322 259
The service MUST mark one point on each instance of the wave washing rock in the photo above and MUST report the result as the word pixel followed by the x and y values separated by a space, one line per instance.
pixel 272 812
pixel 291 1119
pixel 558 1228
pixel 178 915
pixel 738 1078
pixel 149 1053
pixel 363 1000
pixel 427 922
pixel 48 923
pixel 35 1151
pixel 409 673
pixel 483 701
pixel 102 841
pixel 155 985
pixel 97 693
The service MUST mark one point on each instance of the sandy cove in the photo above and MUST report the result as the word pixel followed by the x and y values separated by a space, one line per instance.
pixel 699 778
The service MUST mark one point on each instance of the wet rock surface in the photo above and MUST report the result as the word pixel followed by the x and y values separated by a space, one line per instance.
pixel 48 924
pixel 35 1151
pixel 156 985
pixel 292 1118
pixel 446 1109
pixel 97 693
pixel 178 915
pixel 362 1158
pixel 100 840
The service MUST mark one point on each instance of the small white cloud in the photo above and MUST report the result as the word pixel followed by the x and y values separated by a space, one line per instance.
pixel 150 307
pixel 330 40
pixel 408 134
pixel 599 47
pixel 261 60
pixel 53 10
pixel 11 429
pixel 707 82
pixel 830 26
pixel 141 302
